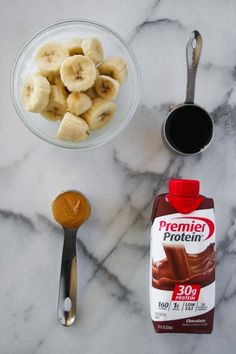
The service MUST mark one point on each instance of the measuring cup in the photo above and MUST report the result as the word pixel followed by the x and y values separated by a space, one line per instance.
pixel 188 129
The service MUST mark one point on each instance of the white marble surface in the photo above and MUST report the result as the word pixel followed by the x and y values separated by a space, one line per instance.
pixel 120 180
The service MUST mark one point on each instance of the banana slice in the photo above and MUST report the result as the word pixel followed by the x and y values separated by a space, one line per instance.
pixel 56 107
pixel 50 56
pixel 92 48
pixel 92 93
pixel 35 93
pixel 78 73
pixel 78 103
pixel 116 68
pixel 106 87
pixel 52 77
pixel 73 128
pixel 74 46
pixel 100 113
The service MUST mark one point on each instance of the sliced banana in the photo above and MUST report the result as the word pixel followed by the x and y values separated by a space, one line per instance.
pixel 73 128
pixel 92 48
pixel 100 113
pixel 116 68
pixel 78 73
pixel 106 87
pixel 50 56
pixel 73 84
pixel 74 46
pixel 35 93
pixel 92 93
pixel 52 77
pixel 78 103
pixel 56 107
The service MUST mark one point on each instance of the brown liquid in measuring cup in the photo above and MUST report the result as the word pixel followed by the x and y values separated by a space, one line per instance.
pixel 70 209
pixel 188 129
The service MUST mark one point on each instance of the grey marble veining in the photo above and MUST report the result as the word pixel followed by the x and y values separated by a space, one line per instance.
pixel 121 180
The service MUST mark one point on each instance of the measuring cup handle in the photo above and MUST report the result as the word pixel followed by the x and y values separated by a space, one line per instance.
pixel 193 52
pixel 68 280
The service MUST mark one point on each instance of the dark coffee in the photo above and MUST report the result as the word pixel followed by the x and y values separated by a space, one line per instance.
pixel 188 129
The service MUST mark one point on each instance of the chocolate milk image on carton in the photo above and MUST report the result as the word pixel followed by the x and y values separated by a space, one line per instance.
pixel 182 260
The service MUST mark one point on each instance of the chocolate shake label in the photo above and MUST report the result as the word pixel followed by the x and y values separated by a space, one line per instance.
pixel 182 264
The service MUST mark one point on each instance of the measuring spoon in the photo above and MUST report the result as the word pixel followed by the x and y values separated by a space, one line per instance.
pixel 70 209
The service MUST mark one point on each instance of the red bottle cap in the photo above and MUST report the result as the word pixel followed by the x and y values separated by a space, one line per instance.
pixel 184 195
pixel 184 187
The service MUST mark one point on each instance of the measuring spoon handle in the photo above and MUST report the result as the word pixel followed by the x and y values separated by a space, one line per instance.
pixel 68 280
pixel 193 52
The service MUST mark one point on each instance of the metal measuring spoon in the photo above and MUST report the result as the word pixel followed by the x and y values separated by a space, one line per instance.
pixel 70 209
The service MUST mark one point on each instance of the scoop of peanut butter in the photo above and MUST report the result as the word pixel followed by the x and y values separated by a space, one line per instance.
pixel 71 209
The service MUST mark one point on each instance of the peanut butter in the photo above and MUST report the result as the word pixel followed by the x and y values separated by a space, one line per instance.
pixel 71 209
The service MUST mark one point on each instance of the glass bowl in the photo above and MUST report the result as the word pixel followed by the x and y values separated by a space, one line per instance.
pixel 113 45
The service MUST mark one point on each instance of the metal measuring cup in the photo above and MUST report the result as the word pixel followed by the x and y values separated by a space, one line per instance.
pixel 188 129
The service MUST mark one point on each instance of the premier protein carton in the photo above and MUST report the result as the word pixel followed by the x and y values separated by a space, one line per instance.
pixel 182 260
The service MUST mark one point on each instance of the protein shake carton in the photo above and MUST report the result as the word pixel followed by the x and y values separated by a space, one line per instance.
pixel 182 260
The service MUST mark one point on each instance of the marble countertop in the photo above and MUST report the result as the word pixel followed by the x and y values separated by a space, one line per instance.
pixel 120 179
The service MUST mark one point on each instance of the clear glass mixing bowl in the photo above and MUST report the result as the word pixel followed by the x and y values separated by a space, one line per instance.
pixel 113 45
